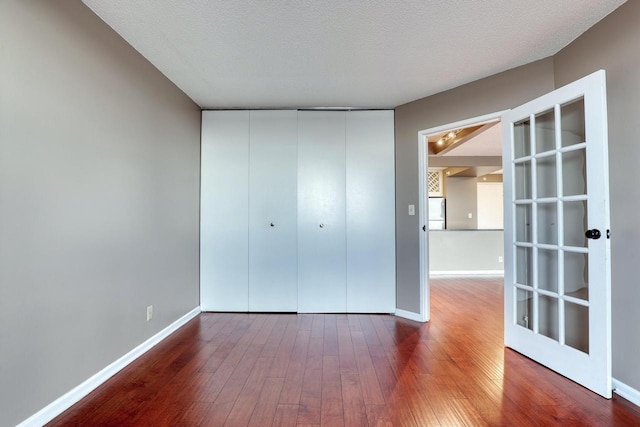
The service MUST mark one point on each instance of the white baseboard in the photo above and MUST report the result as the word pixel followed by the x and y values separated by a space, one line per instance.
pixel 628 392
pixel 409 315
pixel 70 398
pixel 467 273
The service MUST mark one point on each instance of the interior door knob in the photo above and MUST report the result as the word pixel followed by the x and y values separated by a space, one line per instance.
pixel 272 224
pixel 321 225
pixel 593 234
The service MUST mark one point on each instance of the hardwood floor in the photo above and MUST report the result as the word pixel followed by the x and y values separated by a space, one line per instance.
pixel 355 370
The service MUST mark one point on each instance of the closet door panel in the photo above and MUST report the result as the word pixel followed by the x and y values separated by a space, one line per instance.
pixel 321 212
pixel 224 247
pixel 370 179
pixel 272 211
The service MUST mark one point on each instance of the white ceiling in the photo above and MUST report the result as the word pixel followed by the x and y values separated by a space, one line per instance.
pixel 339 53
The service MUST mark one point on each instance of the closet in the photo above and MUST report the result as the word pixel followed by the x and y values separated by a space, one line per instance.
pixel 298 211
pixel 224 211
pixel 272 211
pixel 322 244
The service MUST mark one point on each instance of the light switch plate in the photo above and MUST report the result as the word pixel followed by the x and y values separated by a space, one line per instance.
pixel 412 209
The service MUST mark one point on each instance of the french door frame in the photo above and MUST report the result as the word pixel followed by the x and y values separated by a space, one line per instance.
pixel 423 166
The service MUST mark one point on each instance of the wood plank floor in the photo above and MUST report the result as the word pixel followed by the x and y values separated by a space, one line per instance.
pixel 355 370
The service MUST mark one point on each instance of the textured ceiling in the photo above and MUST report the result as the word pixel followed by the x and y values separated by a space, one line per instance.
pixel 341 53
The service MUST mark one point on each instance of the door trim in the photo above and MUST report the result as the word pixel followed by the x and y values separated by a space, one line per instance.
pixel 423 166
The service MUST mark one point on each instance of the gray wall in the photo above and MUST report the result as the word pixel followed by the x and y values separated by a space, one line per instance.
pixel 468 250
pixel 495 93
pixel 462 200
pixel 99 201
pixel 612 45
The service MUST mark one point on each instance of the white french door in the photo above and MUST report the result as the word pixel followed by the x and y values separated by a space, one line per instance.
pixel 557 247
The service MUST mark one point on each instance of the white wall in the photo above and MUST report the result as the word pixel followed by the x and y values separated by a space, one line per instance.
pixel 490 206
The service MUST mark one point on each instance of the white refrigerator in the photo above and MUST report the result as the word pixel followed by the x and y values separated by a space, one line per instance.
pixel 437 213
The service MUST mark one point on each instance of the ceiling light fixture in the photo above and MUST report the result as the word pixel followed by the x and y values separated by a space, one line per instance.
pixel 448 138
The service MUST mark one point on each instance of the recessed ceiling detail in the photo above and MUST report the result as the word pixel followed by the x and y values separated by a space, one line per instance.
pixel 473 141
pixel 442 143
pixel 357 53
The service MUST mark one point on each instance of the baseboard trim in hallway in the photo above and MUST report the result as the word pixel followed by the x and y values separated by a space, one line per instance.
pixel 625 391
pixel 70 398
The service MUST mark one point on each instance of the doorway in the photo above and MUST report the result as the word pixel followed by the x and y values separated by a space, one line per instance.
pixel 557 250
pixel 465 201
pixel 460 231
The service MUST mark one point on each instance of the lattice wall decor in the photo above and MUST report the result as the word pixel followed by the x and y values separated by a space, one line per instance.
pixel 434 182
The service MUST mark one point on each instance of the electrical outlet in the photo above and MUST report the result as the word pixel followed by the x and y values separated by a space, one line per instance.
pixel 470 215
pixel 149 312
pixel 499 258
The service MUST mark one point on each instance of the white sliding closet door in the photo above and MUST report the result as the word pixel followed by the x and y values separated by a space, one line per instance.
pixel 321 212
pixel 371 257
pixel 224 247
pixel 273 211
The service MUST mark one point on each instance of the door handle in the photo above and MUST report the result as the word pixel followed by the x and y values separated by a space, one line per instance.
pixel 593 234
pixel 321 225
pixel 272 225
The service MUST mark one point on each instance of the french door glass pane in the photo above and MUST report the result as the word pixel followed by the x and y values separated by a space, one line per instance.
pixel 548 270
pixel 523 180
pixel 576 334
pixel 572 117
pixel 545 131
pixel 522 139
pixel 546 177
pixel 524 266
pixel 548 316
pixel 547 223
pixel 524 308
pixel 574 172
pixel 575 223
pixel 523 223
pixel 576 275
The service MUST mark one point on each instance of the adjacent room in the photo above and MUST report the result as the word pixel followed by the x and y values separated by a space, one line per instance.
pixel 222 213
pixel 465 201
